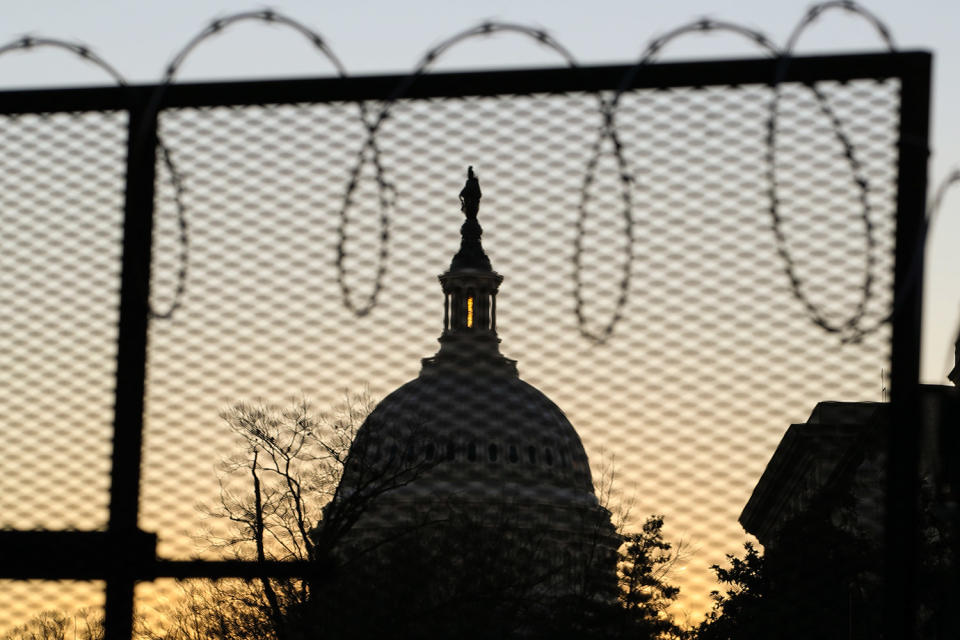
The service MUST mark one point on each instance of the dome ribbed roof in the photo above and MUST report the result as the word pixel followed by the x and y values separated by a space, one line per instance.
pixel 480 436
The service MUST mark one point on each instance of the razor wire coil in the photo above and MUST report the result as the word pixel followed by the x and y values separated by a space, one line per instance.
pixel 852 328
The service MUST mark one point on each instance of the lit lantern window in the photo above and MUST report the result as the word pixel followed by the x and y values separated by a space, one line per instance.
pixel 469 312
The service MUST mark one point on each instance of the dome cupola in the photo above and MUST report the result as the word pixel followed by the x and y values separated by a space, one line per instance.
pixel 469 339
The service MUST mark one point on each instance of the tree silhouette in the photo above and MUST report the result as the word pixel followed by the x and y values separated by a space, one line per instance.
pixel 83 624
pixel 738 612
pixel 291 509
pixel 457 571
pixel 641 598
pixel 205 610
pixel 645 595
pixel 819 581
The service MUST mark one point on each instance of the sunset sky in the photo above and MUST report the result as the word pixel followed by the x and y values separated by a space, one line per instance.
pixel 681 431
pixel 139 39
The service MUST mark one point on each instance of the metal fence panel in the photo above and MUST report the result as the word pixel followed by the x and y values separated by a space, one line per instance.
pixel 668 276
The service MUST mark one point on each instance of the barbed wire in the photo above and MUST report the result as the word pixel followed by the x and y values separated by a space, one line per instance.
pixel 85 53
pixel 851 329
pixel 949 183
pixel 80 50
pixel 370 151
pixel 608 131
pixel 176 181
pixel 819 9
pixel 218 26
pixel 369 148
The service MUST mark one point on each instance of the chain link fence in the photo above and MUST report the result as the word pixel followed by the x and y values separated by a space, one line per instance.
pixel 691 264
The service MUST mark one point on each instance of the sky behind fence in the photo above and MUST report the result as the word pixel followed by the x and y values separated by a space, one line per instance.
pixel 372 37
pixel 162 499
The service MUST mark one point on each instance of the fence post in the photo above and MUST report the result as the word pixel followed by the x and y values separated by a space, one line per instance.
pixel 903 444
pixel 123 527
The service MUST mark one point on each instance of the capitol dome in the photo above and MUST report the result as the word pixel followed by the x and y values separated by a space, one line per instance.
pixel 468 435
pixel 480 437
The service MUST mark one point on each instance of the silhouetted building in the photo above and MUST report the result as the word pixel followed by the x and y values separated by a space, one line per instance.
pixel 818 510
pixel 837 452
pixel 470 459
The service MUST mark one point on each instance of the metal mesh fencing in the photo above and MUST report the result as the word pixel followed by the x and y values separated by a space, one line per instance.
pixel 710 321
pixel 63 609
pixel 667 275
pixel 62 209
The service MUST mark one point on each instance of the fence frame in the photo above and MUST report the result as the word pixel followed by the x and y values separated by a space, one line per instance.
pixel 124 555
